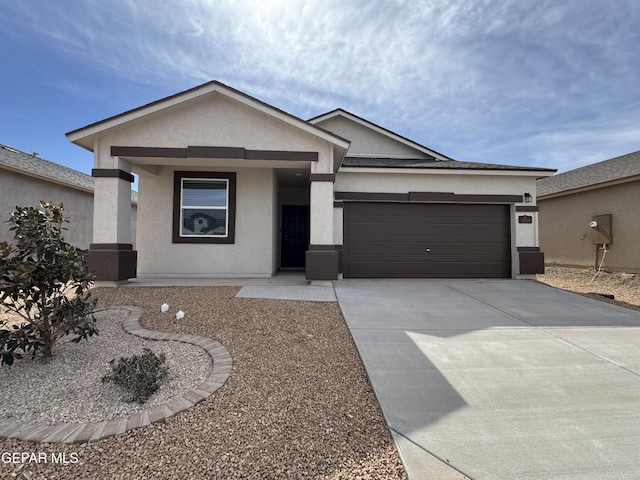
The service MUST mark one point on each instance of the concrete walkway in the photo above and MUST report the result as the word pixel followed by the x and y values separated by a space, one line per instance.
pixel 288 292
pixel 500 379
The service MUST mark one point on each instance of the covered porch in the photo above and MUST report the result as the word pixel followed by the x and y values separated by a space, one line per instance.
pixel 229 187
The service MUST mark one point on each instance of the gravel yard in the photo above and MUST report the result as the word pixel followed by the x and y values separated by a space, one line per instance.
pixel 625 287
pixel 297 404
pixel 55 392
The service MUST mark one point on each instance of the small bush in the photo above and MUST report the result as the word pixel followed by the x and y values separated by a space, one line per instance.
pixel 141 375
pixel 44 280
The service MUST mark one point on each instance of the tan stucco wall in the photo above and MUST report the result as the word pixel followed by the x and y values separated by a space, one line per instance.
pixel 23 190
pixel 252 254
pixel 565 235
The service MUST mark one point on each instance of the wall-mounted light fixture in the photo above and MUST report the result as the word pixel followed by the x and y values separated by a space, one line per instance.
pixel 527 198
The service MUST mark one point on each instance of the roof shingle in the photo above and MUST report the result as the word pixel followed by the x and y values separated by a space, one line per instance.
pixel 610 170
pixel 389 162
pixel 35 166
pixel 31 163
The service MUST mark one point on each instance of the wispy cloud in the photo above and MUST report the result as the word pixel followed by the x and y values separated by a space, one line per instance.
pixel 509 80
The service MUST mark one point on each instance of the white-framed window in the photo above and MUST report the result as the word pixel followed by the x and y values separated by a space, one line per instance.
pixel 204 207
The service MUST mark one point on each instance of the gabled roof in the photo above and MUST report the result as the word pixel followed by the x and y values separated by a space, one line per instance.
pixel 612 171
pixel 84 136
pixel 339 112
pixel 34 166
pixel 393 162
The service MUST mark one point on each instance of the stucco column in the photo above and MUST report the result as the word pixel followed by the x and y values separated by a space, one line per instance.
pixel 321 259
pixel 530 258
pixel 111 255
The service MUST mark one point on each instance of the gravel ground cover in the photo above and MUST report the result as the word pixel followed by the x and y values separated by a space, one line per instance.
pixel 297 404
pixel 71 389
pixel 625 287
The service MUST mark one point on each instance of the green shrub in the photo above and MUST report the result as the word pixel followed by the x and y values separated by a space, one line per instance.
pixel 141 375
pixel 45 281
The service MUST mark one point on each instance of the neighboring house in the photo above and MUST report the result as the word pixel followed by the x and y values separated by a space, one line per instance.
pixel 25 179
pixel 333 195
pixel 607 193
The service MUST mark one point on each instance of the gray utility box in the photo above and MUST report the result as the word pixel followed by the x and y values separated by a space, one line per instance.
pixel 603 232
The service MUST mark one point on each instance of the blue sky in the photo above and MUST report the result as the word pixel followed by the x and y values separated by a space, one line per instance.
pixel 525 82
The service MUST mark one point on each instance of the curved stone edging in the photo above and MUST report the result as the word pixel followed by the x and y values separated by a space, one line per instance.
pixel 91 432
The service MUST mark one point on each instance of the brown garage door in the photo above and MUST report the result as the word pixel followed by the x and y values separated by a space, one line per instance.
pixel 426 240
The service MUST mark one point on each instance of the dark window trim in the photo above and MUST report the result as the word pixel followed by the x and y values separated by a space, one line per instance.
pixel 231 208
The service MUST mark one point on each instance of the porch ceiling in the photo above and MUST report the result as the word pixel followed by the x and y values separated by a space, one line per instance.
pixel 292 177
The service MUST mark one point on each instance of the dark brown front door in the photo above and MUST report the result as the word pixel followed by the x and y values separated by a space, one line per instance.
pixel 426 240
pixel 295 236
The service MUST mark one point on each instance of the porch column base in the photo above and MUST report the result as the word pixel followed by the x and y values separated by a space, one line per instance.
pixel 321 262
pixel 112 261
pixel 531 260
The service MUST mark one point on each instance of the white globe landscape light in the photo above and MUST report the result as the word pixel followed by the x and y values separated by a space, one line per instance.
pixel 164 308
pixel 179 315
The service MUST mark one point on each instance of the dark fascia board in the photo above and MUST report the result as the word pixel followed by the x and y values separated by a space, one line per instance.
pixel 372 196
pixel 153 152
pixel 322 177
pixel 112 173
pixel 341 111
pixel 213 152
pixel 442 197
pixel 204 86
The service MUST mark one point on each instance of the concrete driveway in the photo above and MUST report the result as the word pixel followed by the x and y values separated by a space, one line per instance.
pixel 500 379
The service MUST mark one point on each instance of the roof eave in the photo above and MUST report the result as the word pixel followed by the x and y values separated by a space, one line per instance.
pixel 586 188
pixel 84 136
pixel 46 178
pixel 537 174
pixel 384 131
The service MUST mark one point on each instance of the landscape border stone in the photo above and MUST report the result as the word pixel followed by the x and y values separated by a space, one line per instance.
pixel 67 432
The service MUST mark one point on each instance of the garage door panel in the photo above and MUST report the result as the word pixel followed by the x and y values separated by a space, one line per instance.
pixel 367 248
pixel 497 231
pixel 406 269
pixel 406 248
pixel 406 229
pixel 470 251
pixel 367 269
pixel 367 229
pixel 448 230
pixel 486 269
pixel 391 239
pixel 447 268
pixel 398 209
